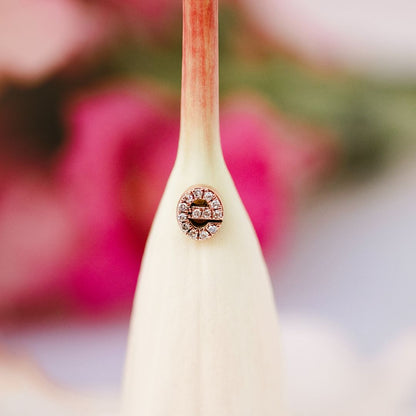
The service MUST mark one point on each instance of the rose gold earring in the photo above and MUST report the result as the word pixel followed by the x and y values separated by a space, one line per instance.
pixel 199 212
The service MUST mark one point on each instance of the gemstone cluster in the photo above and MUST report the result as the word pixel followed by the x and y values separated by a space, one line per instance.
pixel 199 212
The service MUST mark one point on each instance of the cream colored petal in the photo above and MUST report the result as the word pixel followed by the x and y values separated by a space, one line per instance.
pixel 204 336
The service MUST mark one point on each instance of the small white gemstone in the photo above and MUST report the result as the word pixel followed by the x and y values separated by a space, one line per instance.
pixel 207 214
pixel 182 217
pixel 196 213
pixel 183 207
pixel 185 226
pixel 212 229
pixel 198 193
pixel 216 204
pixel 188 198
pixel 203 235
pixel 217 214
pixel 208 196
pixel 193 234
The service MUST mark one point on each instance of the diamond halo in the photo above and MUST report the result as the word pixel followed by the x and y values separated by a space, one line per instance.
pixel 199 212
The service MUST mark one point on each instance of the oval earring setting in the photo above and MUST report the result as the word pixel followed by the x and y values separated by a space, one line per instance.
pixel 199 212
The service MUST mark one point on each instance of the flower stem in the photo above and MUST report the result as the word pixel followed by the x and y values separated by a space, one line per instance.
pixel 199 108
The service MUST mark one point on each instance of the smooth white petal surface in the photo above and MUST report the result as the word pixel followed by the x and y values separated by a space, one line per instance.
pixel 204 336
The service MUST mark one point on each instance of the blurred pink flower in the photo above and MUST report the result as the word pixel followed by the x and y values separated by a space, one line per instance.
pixel 38 37
pixel 121 148
pixel 271 161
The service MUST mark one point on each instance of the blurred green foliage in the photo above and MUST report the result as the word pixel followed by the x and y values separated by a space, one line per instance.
pixel 373 119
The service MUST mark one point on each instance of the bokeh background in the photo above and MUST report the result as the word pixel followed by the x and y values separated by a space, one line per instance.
pixel 318 125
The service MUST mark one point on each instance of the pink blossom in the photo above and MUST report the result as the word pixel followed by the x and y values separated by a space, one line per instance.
pixel 120 152
pixel 272 161
pixel 250 150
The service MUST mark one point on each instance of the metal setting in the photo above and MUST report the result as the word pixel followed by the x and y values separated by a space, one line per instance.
pixel 199 212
